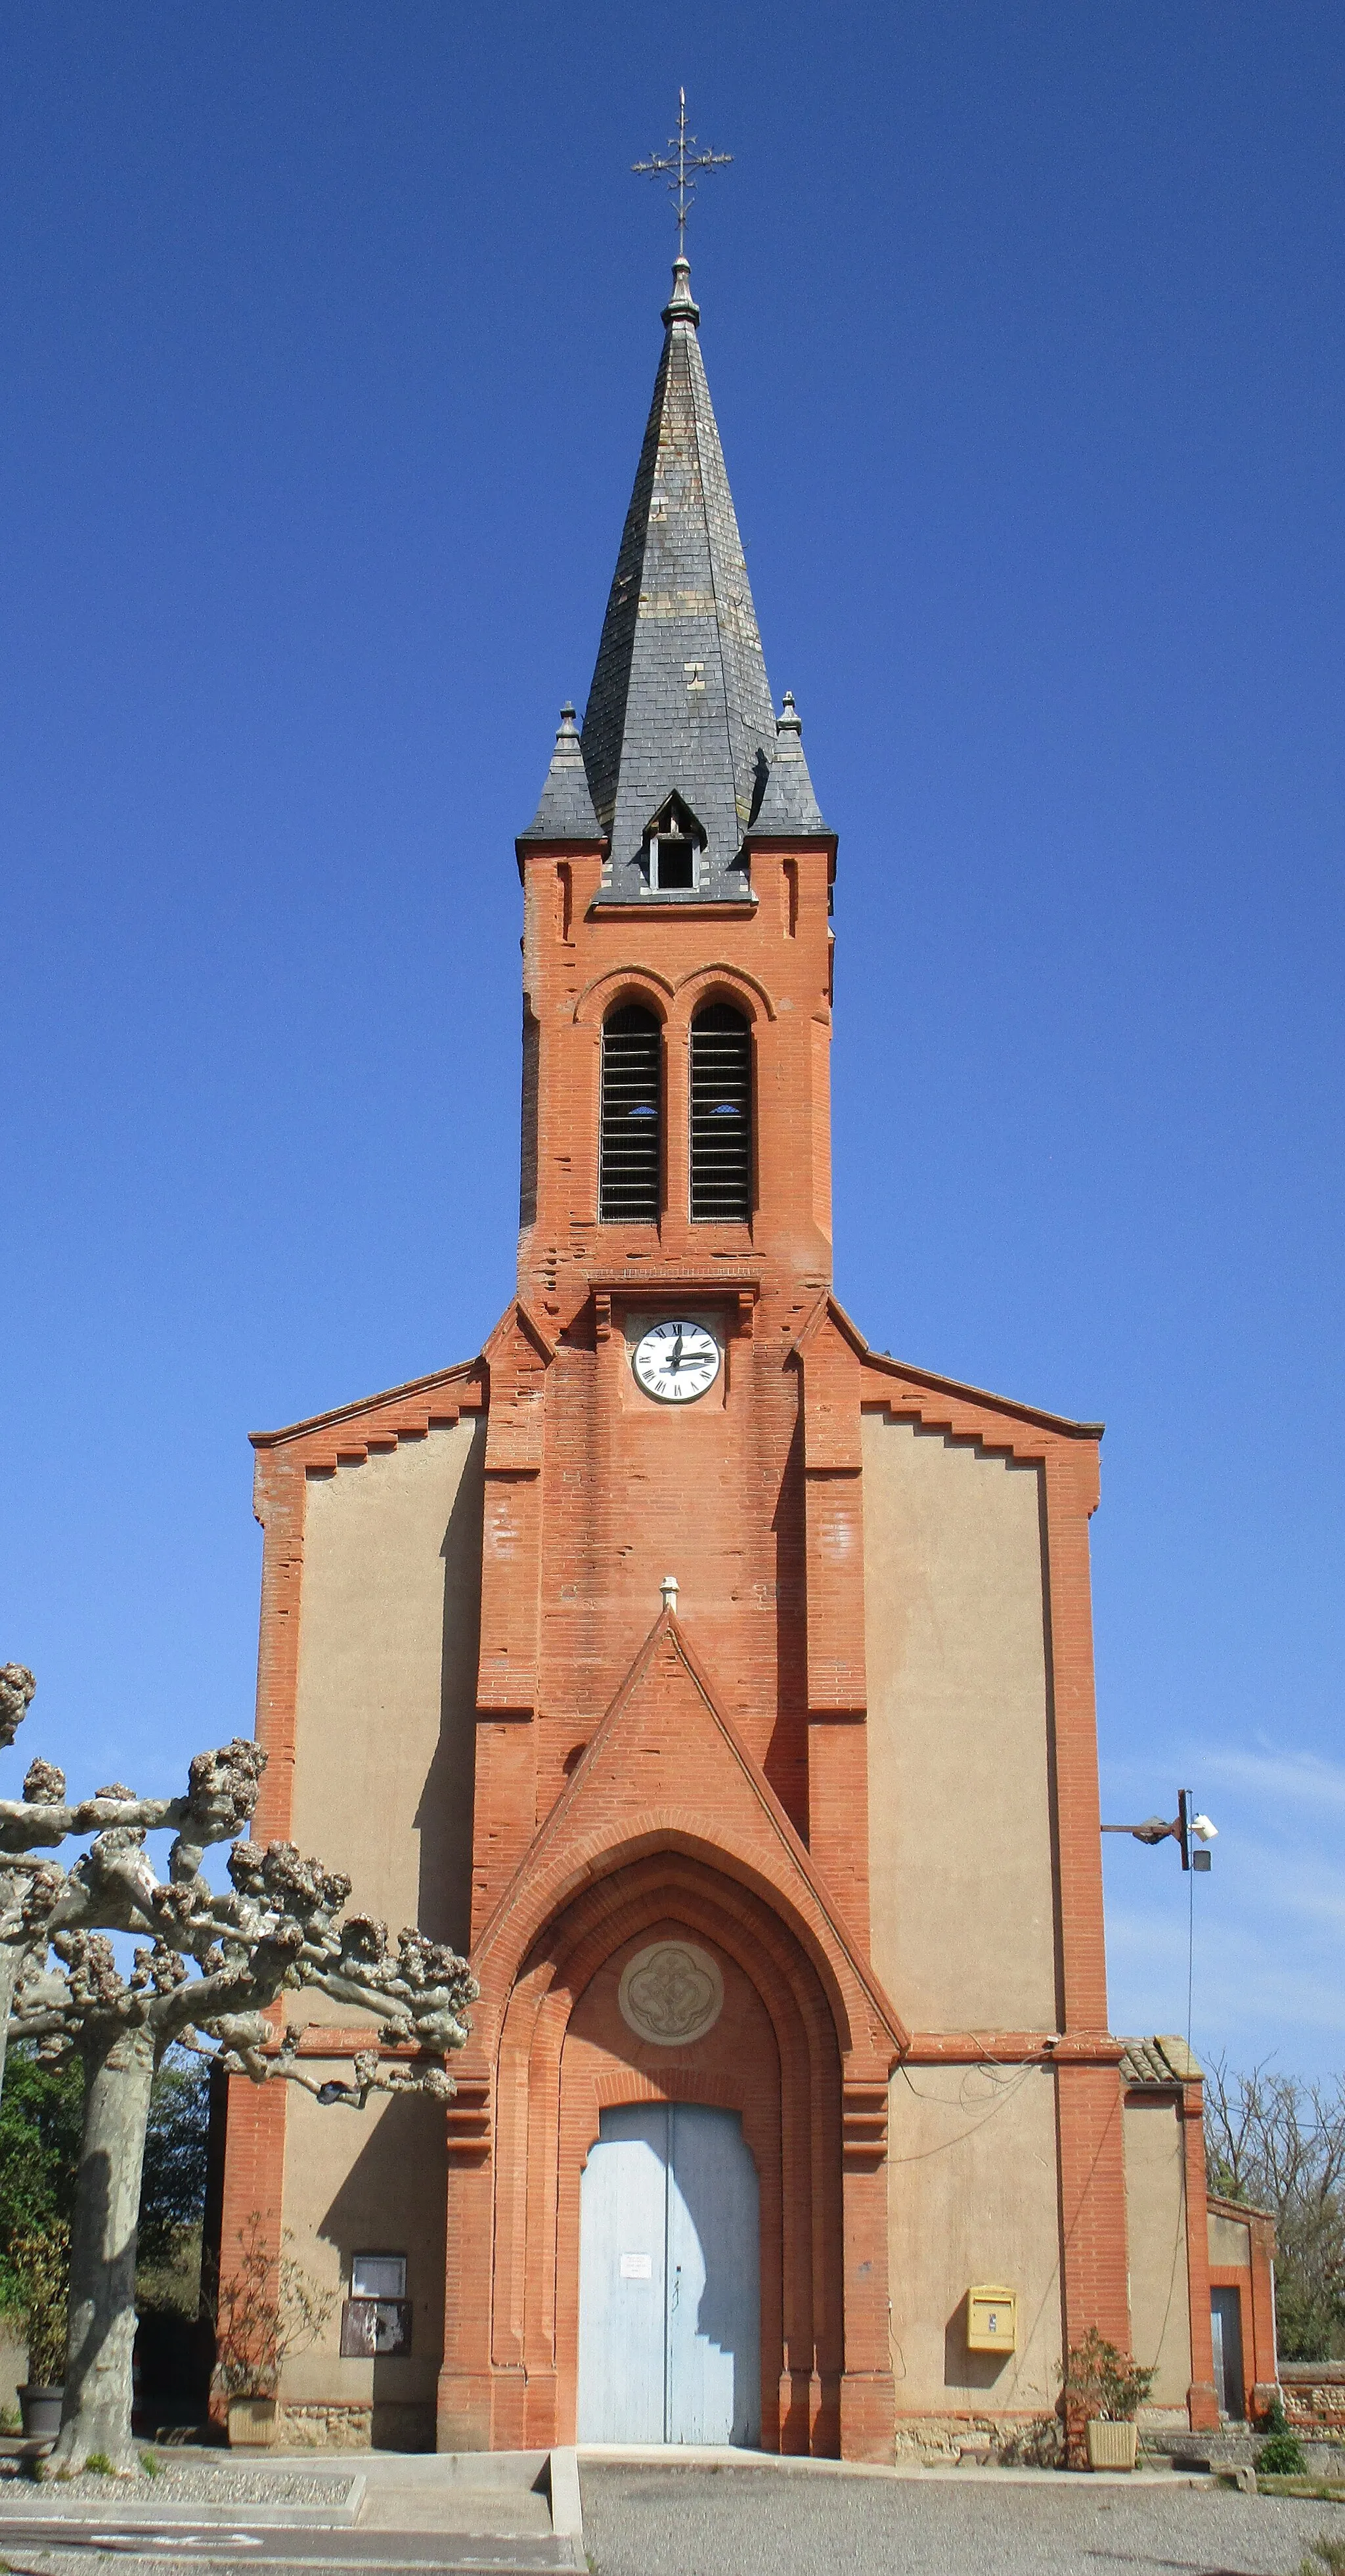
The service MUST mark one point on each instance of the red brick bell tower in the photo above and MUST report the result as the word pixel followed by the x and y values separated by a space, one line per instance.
pixel 697 1772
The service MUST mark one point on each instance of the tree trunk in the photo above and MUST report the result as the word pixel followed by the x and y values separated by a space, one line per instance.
pixel 9 1974
pixel 96 2415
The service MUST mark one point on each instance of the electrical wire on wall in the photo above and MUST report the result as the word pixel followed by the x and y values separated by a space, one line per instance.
pixel 1006 2081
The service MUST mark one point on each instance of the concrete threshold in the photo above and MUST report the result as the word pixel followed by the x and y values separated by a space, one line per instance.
pixel 694 2455
pixel 520 2470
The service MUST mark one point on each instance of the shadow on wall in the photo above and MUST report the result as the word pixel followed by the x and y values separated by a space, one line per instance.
pixel 444 1815
pixel 965 2369
pixel 393 2201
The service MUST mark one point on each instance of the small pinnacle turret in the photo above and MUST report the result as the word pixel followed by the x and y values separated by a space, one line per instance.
pixel 789 809
pixel 566 810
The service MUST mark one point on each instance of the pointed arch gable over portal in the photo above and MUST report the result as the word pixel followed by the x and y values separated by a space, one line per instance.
pixel 669 1826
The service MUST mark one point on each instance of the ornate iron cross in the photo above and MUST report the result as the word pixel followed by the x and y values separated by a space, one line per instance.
pixel 678 166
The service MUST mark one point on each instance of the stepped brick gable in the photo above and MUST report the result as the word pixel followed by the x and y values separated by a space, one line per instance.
pixel 683 1625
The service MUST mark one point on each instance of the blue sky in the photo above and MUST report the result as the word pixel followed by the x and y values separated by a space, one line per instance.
pixel 329 336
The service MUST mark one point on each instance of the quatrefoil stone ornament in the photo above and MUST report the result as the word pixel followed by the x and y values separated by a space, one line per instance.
pixel 671 1993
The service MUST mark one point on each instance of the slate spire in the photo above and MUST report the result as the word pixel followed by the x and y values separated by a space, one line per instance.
pixel 679 703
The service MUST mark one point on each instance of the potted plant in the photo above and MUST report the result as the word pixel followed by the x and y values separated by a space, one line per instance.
pixel 264 2310
pixel 1103 2394
pixel 40 2267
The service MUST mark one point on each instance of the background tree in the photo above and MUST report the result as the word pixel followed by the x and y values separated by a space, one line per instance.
pixel 173 2184
pixel 41 2120
pixel 1281 2146
pixel 41 2116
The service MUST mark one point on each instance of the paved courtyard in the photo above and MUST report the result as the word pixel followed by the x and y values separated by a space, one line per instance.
pixel 745 2522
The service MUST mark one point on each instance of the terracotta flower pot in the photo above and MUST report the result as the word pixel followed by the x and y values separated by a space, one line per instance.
pixel 41 2412
pixel 252 2423
pixel 1112 2446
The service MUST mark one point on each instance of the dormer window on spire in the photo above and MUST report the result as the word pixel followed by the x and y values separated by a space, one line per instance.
pixel 673 843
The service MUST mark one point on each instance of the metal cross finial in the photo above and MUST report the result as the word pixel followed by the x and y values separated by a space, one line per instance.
pixel 678 169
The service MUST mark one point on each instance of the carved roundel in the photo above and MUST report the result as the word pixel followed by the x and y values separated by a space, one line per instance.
pixel 671 1993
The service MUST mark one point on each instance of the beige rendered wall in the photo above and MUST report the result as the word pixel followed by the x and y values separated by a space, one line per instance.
pixel 972 2197
pixel 1230 2241
pixel 961 1867
pixel 366 2182
pixel 386 1702
pixel 1160 2323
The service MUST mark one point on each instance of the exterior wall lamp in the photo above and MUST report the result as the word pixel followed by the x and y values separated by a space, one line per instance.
pixel 1184 1829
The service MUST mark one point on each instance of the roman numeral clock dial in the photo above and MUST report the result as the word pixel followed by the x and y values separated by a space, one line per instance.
pixel 676 1362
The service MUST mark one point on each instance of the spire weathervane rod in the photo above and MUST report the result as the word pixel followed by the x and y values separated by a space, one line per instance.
pixel 678 165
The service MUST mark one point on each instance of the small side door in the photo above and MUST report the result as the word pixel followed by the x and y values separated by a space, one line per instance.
pixel 1226 2335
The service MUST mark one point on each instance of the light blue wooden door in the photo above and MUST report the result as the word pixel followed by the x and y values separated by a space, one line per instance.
pixel 669 2290
pixel 623 2244
pixel 714 2296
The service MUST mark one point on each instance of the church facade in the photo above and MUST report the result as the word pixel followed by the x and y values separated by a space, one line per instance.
pixel 725 1687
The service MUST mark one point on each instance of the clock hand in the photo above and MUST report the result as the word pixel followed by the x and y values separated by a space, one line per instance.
pixel 676 1360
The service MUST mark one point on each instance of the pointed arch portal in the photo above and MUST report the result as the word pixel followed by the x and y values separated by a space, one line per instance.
pixel 797 2050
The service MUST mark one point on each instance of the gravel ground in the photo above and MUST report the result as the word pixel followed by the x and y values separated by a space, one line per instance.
pixel 180 2481
pixel 755 2522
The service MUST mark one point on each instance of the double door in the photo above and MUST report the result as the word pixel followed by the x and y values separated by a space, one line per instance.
pixel 669 2279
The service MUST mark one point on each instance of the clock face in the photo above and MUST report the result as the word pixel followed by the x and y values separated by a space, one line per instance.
pixel 676 1362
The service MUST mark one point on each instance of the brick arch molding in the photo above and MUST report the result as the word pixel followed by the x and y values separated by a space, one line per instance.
pixel 636 983
pixel 514 2370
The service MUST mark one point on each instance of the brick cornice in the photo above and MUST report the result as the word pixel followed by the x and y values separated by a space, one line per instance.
pixel 967 1411
pixel 720 909
pixel 1014 2048
pixel 415 1398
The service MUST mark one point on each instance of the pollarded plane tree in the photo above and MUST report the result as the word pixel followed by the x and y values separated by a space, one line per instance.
pixel 39 1899
pixel 212 1966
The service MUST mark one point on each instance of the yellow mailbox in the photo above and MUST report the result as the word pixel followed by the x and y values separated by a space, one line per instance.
pixel 992 2319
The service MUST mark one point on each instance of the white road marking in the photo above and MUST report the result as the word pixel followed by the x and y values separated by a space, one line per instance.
pixel 163 2535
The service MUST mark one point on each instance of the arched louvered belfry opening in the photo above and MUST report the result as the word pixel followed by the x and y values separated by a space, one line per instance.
pixel 721 1114
pixel 630 1140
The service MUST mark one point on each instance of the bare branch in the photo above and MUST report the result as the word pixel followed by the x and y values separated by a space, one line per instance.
pixel 1280 2145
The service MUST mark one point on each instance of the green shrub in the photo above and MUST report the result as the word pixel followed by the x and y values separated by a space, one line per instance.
pixel 1281 2457
pixel 37 2292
